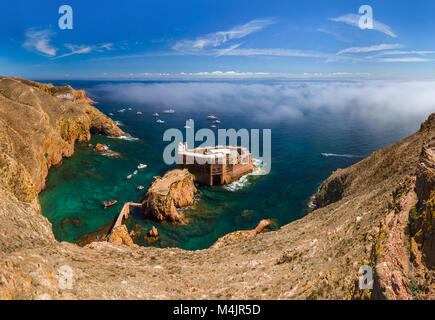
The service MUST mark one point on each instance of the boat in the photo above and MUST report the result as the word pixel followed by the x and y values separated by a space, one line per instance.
pixel 109 203
pixel 160 121
pixel 212 126
pixel 141 166
pixel 122 110
pixel 169 111
pixel 155 115
pixel 139 113
pixel 211 118
pixel 129 109
pixel 135 172
pixel 140 187
pixel 129 177
pixel 111 114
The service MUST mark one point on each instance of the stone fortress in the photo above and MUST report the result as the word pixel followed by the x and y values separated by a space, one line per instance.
pixel 215 165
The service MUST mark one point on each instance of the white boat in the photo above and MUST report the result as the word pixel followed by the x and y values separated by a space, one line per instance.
pixel 212 126
pixel 155 115
pixel 111 114
pixel 122 110
pixel 160 121
pixel 129 177
pixel 129 109
pixel 141 166
pixel 135 172
pixel 211 118
pixel 217 121
pixel 139 113
pixel 169 111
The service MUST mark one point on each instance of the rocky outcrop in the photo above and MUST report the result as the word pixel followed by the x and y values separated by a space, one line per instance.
pixel 228 238
pixel 100 147
pixel 331 190
pixel 153 233
pixel 120 235
pixel 176 189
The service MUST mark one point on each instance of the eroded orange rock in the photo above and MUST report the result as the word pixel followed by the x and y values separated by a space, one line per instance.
pixel 153 233
pixel 175 190
pixel 120 235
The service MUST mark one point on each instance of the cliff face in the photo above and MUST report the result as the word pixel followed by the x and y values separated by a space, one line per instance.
pixel 37 130
pixel 378 212
pixel 397 187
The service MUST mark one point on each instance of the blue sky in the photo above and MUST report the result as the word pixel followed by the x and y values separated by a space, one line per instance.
pixel 217 39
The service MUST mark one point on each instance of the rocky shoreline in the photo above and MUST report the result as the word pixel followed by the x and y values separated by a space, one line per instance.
pixel 378 212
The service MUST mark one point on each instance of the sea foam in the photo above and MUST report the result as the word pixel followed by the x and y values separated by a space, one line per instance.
pixel 244 182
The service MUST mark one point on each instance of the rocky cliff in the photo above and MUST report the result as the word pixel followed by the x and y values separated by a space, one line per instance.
pixel 378 212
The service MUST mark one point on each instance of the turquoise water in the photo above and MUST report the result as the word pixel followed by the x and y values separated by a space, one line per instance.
pixel 76 189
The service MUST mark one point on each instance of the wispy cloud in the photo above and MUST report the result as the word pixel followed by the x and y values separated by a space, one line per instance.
pixel 81 49
pixel 402 52
pixel 216 39
pixel 271 52
pixel 353 20
pixel 39 40
pixel 379 47
pixel 405 59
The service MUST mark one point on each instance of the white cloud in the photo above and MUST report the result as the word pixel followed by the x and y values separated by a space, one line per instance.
pixel 39 40
pixel 379 47
pixel 405 59
pixel 81 49
pixel 353 20
pixel 245 75
pixel 401 52
pixel 216 39
pixel 271 52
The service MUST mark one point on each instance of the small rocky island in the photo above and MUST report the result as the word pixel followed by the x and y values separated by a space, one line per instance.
pixel 176 189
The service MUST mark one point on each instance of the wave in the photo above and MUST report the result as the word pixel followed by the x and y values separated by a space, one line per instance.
pixel 340 155
pixel 243 182
pixel 129 138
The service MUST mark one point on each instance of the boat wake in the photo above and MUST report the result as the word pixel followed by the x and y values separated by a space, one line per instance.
pixel 327 155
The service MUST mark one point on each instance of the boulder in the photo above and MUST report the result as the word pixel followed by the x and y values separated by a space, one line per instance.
pixel 262 226
pixel 153 233
pixel 100 147
pixel 175 190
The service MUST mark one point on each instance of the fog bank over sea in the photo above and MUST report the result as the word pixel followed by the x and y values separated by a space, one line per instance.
pixel 271 101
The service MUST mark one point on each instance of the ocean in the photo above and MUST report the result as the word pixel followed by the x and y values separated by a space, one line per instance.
pixel 317 127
